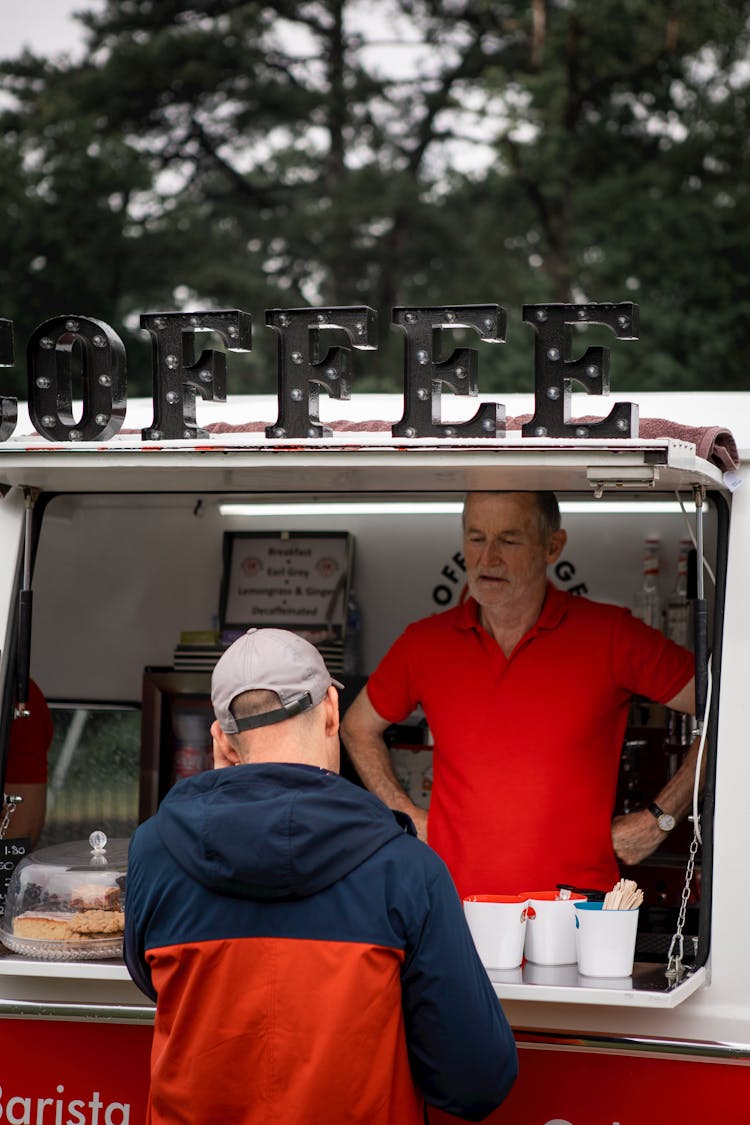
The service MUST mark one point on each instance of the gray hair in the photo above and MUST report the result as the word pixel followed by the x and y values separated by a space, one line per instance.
pixel 548 509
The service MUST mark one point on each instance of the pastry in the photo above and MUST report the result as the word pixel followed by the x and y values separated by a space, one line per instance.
pixel 93 896
pixel 54 926
pixel 86 925
pixel 97 922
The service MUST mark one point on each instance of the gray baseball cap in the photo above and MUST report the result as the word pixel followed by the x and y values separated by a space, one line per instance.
pixel 269 660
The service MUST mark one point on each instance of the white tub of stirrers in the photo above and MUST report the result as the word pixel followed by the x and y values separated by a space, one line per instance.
pixel 606 932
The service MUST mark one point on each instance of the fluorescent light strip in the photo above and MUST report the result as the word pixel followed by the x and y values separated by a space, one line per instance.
pixel 439 508
pixel 345 508
pixel 623 508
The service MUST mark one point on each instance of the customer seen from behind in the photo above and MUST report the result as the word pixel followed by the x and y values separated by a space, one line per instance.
pixel 308 955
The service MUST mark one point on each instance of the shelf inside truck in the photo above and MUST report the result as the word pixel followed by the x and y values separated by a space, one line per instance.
pixel 647 988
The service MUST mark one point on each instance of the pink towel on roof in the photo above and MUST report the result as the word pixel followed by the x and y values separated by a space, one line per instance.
pixel 712 443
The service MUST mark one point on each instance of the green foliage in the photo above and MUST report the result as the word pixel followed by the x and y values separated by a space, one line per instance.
pixel 257 155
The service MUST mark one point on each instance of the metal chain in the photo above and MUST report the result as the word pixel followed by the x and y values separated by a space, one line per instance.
pixel 675 968
pixel 9 807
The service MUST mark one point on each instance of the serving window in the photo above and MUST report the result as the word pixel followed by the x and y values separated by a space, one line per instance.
pixel 119 577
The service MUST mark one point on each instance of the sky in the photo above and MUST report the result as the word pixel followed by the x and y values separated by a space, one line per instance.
pixel 46 26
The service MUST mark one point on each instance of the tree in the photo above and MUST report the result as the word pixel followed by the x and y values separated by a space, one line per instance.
pixel 621 172
pixel 257 155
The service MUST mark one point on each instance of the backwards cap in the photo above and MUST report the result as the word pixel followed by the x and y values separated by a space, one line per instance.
pixel 269 660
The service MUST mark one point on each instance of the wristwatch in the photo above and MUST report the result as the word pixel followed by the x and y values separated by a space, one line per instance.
pixel 665 820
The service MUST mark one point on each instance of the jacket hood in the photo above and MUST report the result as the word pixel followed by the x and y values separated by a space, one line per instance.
pixel 273 831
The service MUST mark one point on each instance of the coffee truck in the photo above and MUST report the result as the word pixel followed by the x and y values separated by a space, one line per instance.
pixel 137 536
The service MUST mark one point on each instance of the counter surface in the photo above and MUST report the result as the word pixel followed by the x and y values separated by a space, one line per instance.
pixel 648 987
pixel 104 988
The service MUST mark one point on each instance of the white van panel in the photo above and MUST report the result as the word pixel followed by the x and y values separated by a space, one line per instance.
pixel 12 509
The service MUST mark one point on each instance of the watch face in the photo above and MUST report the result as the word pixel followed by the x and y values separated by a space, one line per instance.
pixel 666 822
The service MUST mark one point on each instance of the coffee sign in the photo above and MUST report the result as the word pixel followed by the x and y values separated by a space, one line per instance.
pixel 305 364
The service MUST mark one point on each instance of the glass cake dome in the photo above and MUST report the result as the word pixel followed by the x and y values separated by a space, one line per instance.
pixel 66 902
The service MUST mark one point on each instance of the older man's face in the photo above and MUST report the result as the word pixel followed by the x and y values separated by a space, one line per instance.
pixel 506 557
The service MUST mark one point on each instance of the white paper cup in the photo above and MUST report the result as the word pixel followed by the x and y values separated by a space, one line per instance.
pixel 498 926
pixel 605 940
pixel 551 928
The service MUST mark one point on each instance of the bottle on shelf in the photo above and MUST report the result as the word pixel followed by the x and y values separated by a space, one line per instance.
pixel 680 734
pixel 633 753
pixel 678 606
pixel 352 662
pixel 648 605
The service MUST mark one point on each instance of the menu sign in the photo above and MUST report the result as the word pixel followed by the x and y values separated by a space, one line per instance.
pixel 294 580
pixel 11 854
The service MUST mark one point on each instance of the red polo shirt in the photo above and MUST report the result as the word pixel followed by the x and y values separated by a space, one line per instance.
pixel 527 749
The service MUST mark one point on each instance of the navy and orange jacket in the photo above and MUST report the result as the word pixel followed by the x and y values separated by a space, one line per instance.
pixel 309 959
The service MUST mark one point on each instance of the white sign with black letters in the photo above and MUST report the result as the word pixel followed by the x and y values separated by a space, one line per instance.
pixel 291 580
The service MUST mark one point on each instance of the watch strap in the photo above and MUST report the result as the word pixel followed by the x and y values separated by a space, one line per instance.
pixel 665 820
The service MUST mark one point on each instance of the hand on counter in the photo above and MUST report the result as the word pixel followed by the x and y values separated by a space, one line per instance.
pixel 635 836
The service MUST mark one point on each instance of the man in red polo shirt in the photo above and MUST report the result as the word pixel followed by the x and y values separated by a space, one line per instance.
pixel 526 690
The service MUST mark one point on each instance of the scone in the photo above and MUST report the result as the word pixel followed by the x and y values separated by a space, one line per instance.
pixel 99 923
pixel 87 925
